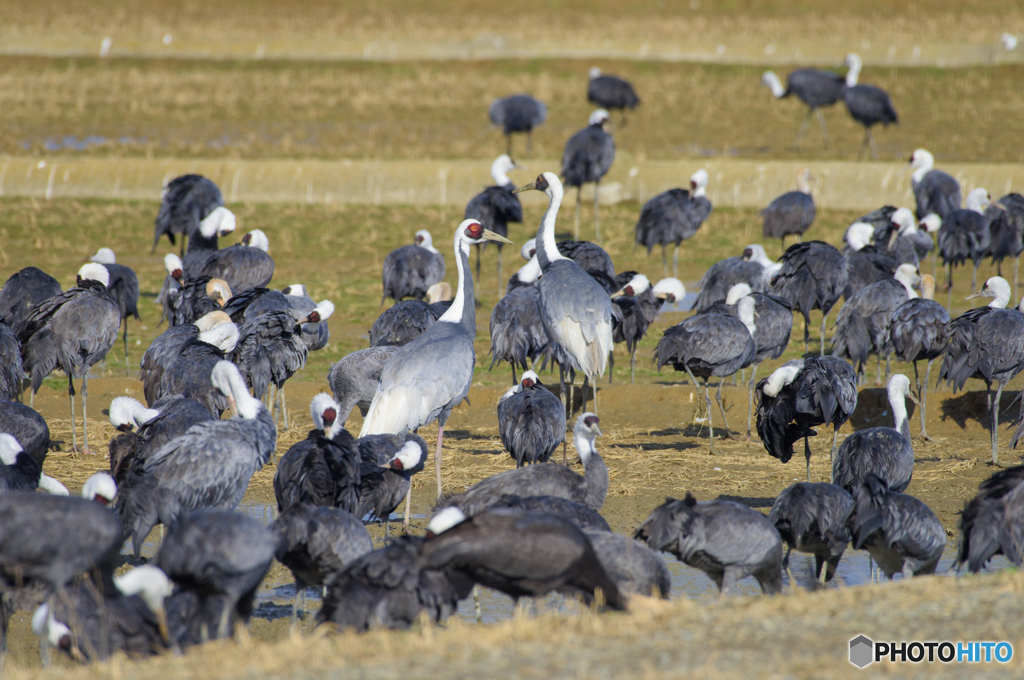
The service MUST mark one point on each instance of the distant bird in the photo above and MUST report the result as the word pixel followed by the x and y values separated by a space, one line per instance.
pixel 518 113
pixel 815 88
pixel 725 540
pixel 812 518
pixel 171 418
pixel 901 533
pixel 884 451
pixel 747 268
pixel 219 557
pixel 792 212
pixel 521 554
pixel 531 421
pixel 389 588
pixel 965 235
pixel 315 543
pixel 166 347
pixel 124 287
pixel 631 565
pixel 918 333
pixel 862 325
pixel 185 201
pixel 544 479
pixel 934 191
pixel 190 372
pixel 27 426
pixel 673 216
pixel 72 331
pixel 243 266
pixel 983 522
pixel 410 271
pixel 867 104
pixel 1006 226
pixel 636 307
pixel 22 292
pixel 427 378
pixel 709 345
pixel 132 619
pixel 583 516
pixel 516 328
pixel 496 206
pixel 986 343
pixel 907 243
pixel 12 372
pixel 801 394
pixel 575 309
pixel 406 320
pixel 611 92
pixel 866 263
pixel 588 157
pixel 207 467
pixel 812 276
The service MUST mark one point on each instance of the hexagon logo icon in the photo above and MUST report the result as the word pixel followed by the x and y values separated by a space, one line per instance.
pixel 861 651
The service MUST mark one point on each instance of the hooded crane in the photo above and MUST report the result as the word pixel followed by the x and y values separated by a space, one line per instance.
pixel 203 243
pixel 965 235
pixel 518 113
pixel 387 588
pixel 611 92
pixel 189 373
pixel 984 518
pixel 867 104
pixel 901 533
pixel 217 559
pixel 72 331
pixel 812 518
pixel 918 333
pixel 315 543
pixel 27 426
pixel 907 243
pixel 935 192
pixel 815 88
pixel 588 156
pixel 673 216
pixel 410 271
pixel 166 347
pixel 430 376
pixel 801 394
pixel 184 203
pixel 986 343
pixel 124 287
pixel 22 292
pixel 792 212
pixel 1006 227
pixel 207 467
pixel 12 372
pixel 884 451
pixel 495 207
pixel 725 540
pixel 531 421
pixel 293 298
pixel 20 471
pixel 862 326
pixel 388 462
pixel 404 321
pixel 866 263
pixel 89 625
pixel 708 345
pixel 545 480
pixel 636 307
pixel 170 418
pixel 196 297
pixel 812 276
pixel 584 517
pixel 931 224
pixel 521 554
pixel 631 565
pixel 517 330
pixel 243 266
pixel 575 309
pixel 718 280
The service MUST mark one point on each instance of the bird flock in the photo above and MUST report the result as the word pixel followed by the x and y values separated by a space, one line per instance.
pixel 232 343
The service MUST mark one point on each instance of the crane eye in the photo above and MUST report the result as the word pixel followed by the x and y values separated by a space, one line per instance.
pixel 542 182
pixel 475 230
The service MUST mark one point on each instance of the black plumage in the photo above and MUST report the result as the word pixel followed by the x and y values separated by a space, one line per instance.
pixel 631 565
pixel 27 426
pixel 918 332
pixel 187 200
pixel 984 516
pixel 197 298
pixel 177 414
pixel 870 106
pixel 634 309
pixel 862 325
pixel 672 216
pixel 611 92
pixel 166 347
pixel 791 213
pixel 813 275
pixel 584 517
pixel 11 370
pixel 516 327
pixel 387 464
pixel 270 349
pixel 354 379
pixel 725 540
pixel 934 190
pixel 189 376
pixel 1006 229
pixel 812 518
pixel 19 471
pixel 964 235
pixel 714 286
pixel 410 270
pixel 589 256
pixel 814 87
pixel 531 421
pixel 587 158
pixel 243 266
pixel 22 292
pixel 517 113
pixel 495 207
pixel 319 471
pixel 866 266
pixel 402 323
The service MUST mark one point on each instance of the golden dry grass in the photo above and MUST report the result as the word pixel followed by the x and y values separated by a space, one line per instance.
pixel 429 110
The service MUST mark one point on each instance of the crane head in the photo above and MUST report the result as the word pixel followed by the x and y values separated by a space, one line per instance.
pixel 474 232
pixel 101 488
pixel 541 184
pixel 530 379
pixel 94 272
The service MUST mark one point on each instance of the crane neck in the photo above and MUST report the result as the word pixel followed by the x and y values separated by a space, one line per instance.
pixel 547 250
pixel 899 412
pixel 462 310
pixel 595 471
pixel 853 74
pixel 501 178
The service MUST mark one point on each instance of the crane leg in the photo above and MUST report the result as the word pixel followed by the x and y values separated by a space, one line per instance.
pixel 74 433
pixel 675 261
pixel 995 423
pixel 437 458
pixel 632 366
pixel 803 129
pixel 711 426
pixel 408 509
pixel 513 365
pixel 887 371
pixel 864 143
pixel 85 413
pixel 284 405
pixel 785 567
pixel 576 229
pixel 127 366
pixel 750 399
pixel 824 322
pixel 501 291
pixel 586 389
pixel 611 366
pixel 529 144
pixel 974 280
pixel 1016 270
pixel 807 455
pixel 597 217
pixel 725 421
pixel 664 259
pixel 874 147
pixel 924 400
pixel 824 128
pixel 878 369
pixel 832 451
pixel 807 332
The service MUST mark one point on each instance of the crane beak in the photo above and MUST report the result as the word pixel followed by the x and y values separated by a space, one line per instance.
pixel 997 204
pixel 619 293
pixel 161 623
pixel 231 404
pixel 914 399
pixel 975 294
pixel 491 236
pixel 892 239
pixel 525 187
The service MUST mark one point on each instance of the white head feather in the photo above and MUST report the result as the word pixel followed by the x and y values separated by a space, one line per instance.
pixel 94 272
pixel 445 520
pixel 736 292
pixel 100 485
pixel 219 222
pixel 9 448
pixel 104 256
